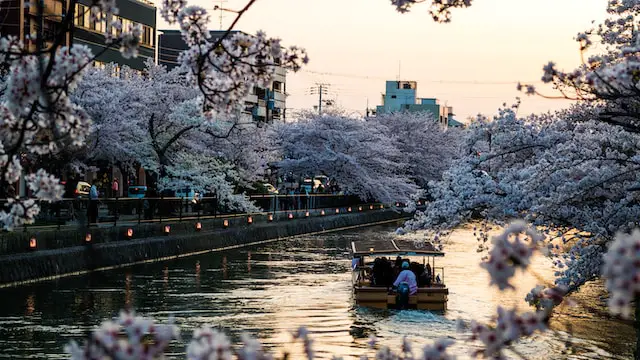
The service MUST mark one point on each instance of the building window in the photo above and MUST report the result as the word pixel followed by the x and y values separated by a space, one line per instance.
pixel 49 30
pixel 277 86
pixel 260 92
pixel 79 17
pixel 393 96
pixel 126 24
pixel 147 35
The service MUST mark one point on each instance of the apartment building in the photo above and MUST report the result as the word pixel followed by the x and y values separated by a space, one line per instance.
pixel 21 18
pixel 402 96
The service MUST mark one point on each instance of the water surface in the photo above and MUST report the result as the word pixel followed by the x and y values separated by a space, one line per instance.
pixel 271 290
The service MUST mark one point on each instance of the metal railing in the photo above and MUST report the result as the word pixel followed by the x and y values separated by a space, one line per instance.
pixel 75 222
pixel 105 212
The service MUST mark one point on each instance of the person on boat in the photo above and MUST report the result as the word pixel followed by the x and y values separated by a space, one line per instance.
pixel 425 277
pixel 407 276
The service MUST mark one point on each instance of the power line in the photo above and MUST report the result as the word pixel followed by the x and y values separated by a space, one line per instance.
pixel 462 82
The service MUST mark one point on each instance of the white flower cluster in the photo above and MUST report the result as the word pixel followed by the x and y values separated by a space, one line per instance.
pixel 510 251
pixel 227 70
pixel 130 41
pixel 170 9
pixel 21 212
pixel 132 337
pixel 45 187
pixel 508 329
pixel 209 344
pixel 37 116
pixel 435 351
pixel 128 337
pixel 193 24
pixel 544 298
pixel 621 271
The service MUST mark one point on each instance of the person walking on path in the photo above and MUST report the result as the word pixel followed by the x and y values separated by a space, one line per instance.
pixel 115 187
pixel 92 209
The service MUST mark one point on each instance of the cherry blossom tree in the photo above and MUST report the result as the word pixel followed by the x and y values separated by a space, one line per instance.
pixel 427 148
pixel 155 120
pixel 105 98
pixel 608 79
pixel 359 156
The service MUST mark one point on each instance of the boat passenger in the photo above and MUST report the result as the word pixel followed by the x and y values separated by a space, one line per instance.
pixel 406 275
pixel 425 277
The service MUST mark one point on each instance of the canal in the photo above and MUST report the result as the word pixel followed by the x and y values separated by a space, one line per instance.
pixel 271 290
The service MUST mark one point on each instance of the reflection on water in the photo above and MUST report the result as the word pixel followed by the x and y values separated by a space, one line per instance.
pixel 269 291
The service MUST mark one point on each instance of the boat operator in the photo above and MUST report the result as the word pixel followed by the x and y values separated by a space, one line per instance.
pixel 408 277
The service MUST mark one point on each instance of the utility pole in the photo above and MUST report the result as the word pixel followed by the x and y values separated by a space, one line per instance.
pixel 321 89
pixel 320 100
pixel 367 112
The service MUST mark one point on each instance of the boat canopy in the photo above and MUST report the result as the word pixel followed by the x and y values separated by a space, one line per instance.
pixel 390 247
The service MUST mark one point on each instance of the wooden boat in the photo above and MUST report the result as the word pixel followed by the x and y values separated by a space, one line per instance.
pixel 431 295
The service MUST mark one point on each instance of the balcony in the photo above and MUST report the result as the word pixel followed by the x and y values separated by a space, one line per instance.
pixel 278 96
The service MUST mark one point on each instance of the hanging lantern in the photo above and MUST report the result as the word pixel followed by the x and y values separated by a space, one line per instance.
pixel 349 209
pixel 129 233
pixel 306 214
pixel 225 223
pixel 337 211
pixel 381 206
pixel 87 238
pixel 270 217
pixel 370 207
pixel 359 208
pixel 290 216
pixel 250 220
pixel 198 226
pixel 397 204
pixel 167 229
pixel 33 244
pixel 322 212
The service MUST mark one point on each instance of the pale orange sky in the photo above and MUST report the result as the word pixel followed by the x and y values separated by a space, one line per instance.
pixel 472 64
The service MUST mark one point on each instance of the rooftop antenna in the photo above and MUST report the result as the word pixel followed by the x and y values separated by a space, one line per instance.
pixel 220 7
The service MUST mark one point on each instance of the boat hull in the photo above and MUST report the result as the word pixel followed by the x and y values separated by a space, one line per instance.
pixel 432 298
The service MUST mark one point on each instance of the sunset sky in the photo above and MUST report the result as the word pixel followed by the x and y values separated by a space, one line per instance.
pixel 472 63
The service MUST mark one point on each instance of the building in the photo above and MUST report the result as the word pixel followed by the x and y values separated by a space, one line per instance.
pixel 402 96
pixel 21 19
pixel 263 104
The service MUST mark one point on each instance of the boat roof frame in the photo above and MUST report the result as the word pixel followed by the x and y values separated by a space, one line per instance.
pixel 397 252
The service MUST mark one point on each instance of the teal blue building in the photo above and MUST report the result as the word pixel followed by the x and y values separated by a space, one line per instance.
pixel 402 96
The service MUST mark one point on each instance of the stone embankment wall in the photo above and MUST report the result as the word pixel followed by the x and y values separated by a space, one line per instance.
pixel 109 248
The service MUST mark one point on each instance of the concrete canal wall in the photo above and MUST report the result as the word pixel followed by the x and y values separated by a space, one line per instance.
pixel 57 256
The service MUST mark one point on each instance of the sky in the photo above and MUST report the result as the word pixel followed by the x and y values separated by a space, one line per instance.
pixel 472 64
